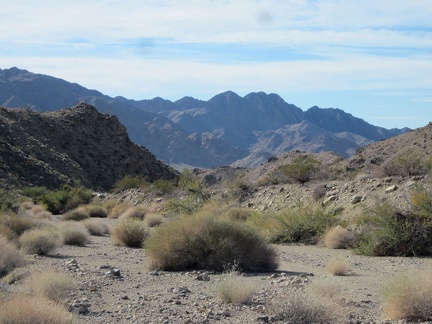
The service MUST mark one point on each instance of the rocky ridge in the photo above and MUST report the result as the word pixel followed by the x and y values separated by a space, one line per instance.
pixel 74 144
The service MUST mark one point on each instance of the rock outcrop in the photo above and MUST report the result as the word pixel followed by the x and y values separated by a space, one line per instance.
pixel 74 144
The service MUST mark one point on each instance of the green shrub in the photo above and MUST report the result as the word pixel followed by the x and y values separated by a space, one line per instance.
pixel 162 187
pixel 302 169
pixel 384 231
pixel 409 297
pixel 39 241
pixel 59 201
pixel 8 200
pixel 24 309
pixel 208 243
pixel 10 256
pixel 130 232
pixel 74 233
pixel 406 164
pixel 302 224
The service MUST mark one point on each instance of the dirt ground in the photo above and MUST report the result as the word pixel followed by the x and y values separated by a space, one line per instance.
pixel 137 295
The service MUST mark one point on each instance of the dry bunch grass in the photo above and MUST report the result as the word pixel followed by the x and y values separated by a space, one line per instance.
pixel 49 284
pixel 77 214
pixel 40 241
pixel 337 267
pixel 153 220
pixel 236 289
pixel 338 237
pixel 96 226
pixel 74 233
pixel 134 212
pixel 33 310
pixel 115 209
pixel 409 297
pixel 130 232
pixel 10 256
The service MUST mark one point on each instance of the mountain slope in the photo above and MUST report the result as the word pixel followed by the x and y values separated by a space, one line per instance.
pixel 220 131
pixel 75 144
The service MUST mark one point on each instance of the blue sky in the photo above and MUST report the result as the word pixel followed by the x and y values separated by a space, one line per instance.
pixel 371 58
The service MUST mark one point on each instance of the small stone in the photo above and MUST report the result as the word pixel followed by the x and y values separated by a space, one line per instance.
pixel 264 319
pixel 391 189
pixel 356 199
pixel 203 277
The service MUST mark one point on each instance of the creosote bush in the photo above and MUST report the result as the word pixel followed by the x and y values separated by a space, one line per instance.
pixel 24 309
pixel 130 232
pixel 302 169
pixel 10 256
pixel 409 297
pixel 40 241
pixel 208 243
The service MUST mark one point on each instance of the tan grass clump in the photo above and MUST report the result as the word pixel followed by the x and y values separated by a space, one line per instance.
pixel 409 297
pixel 8 233
pixel 338 237
pixel 96 211
pixel 24 309
pixel 130 232
pixel 36 209
pixel 40 241
pixel 236 289
pixel 307 308
pixel 77 214
pixel 50 284
pixel 134 212
pixel 239 214
pixel 116 209
pixel 74 233
pixel 95 227
pixel 10 256
pixel 19 224
pixel 153 220
pixel 337 267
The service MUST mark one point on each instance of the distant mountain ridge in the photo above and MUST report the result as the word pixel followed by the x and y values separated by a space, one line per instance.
pixel 225 129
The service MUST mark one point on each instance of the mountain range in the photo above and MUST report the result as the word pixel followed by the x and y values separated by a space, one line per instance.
pixel 226 129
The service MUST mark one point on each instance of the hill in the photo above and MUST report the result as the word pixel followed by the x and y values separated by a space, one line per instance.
pixel 68 145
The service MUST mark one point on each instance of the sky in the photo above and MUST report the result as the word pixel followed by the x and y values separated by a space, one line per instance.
pixel 370 58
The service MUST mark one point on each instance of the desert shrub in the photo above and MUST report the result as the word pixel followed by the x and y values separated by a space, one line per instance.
pixel 319 191
pixel 36 209
pixel 186 178
pixel 386 231
pixel 33 310
pixel 116 209
pixel 77 214
pixel 95 226
pixel 239 214
pixel 236 289
pixel 339 237
pixel 153 220
pixel 74 233
pixel 337 267
pixel 130 232
pixel 19 224
pixel 39 241
pixel 49 284
pixel 409 297
pixel 96 211
pixel 302 169
pixel 129 182
pixel 304 308
pixel 10 256
pixel 405 164
pixel 208 243
pixel 45 215
pixel 196 197
pixel 162 187
pixel 134 212
pixel 303 223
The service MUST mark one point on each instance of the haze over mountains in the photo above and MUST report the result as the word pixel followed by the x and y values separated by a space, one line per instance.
pixel 227 129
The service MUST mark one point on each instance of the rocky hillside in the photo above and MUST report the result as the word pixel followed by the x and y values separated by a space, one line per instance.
pixel 223 130
pixel 74 144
